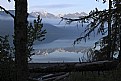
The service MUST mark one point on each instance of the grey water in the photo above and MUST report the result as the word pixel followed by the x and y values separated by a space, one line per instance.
pixel 58 44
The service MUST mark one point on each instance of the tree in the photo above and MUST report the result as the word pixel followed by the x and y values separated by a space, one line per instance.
pixel 34 32
pixel 7 70
pixel 24 38
pixel 98 20
pixel 31 33
pixel 20 40
pixel 28 33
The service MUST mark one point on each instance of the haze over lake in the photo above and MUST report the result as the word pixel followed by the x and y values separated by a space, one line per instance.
pixel 58 45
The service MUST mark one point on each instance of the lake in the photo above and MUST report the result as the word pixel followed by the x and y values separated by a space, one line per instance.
pixel 58 45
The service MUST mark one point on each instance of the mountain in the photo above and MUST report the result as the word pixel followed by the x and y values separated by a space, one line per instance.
pixel 75 15
pixel 4 15
pixel 45 14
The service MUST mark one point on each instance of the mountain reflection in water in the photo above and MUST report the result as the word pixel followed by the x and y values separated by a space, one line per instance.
pixel 67 54
pixel 65 49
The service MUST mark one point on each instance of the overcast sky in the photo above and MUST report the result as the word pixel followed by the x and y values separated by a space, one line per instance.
pixel 59 6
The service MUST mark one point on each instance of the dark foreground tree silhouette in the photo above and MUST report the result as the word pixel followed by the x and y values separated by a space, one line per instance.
pixel 20 40
pixel 24 36
pixel 98 20
pixel 7 71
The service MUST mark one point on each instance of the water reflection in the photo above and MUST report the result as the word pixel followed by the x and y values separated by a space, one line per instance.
pixel 67 54
pixel 64 49
pixel 59 57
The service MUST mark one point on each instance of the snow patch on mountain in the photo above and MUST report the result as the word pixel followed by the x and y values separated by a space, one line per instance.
pixel 45 14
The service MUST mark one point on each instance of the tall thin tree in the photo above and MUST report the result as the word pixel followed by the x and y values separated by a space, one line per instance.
pixel 109 31
pixel 20 40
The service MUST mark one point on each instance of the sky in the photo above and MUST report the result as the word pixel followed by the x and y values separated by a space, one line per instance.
pixel 59 6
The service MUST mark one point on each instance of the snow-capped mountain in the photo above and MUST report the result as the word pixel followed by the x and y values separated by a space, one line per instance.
pixel 44 14
pixel 75 15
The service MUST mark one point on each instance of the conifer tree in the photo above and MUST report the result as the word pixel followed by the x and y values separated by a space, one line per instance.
pixel 25 34
pixel 98 20
pixel 20 40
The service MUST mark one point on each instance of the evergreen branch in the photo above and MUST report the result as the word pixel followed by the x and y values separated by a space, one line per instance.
pixel 91 15
pixel 84 17
pixel 96 19
pixel 7 12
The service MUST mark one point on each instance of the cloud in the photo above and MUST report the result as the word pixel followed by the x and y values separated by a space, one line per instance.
pixel 55 6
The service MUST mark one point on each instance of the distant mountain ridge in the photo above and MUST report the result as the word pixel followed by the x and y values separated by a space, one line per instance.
pixel 5 15
pixel 45 14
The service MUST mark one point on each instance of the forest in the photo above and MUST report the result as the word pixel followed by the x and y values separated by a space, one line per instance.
pixel 102 66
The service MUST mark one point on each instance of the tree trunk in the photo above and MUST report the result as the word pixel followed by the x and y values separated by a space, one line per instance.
pixel 20 40
pixel 109 31
pixel 72 67
pixel 118 18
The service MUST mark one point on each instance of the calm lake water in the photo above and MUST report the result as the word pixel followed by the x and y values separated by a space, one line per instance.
pixel 58 45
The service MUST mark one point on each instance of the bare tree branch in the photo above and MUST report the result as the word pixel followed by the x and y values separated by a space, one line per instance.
pixel 7 12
